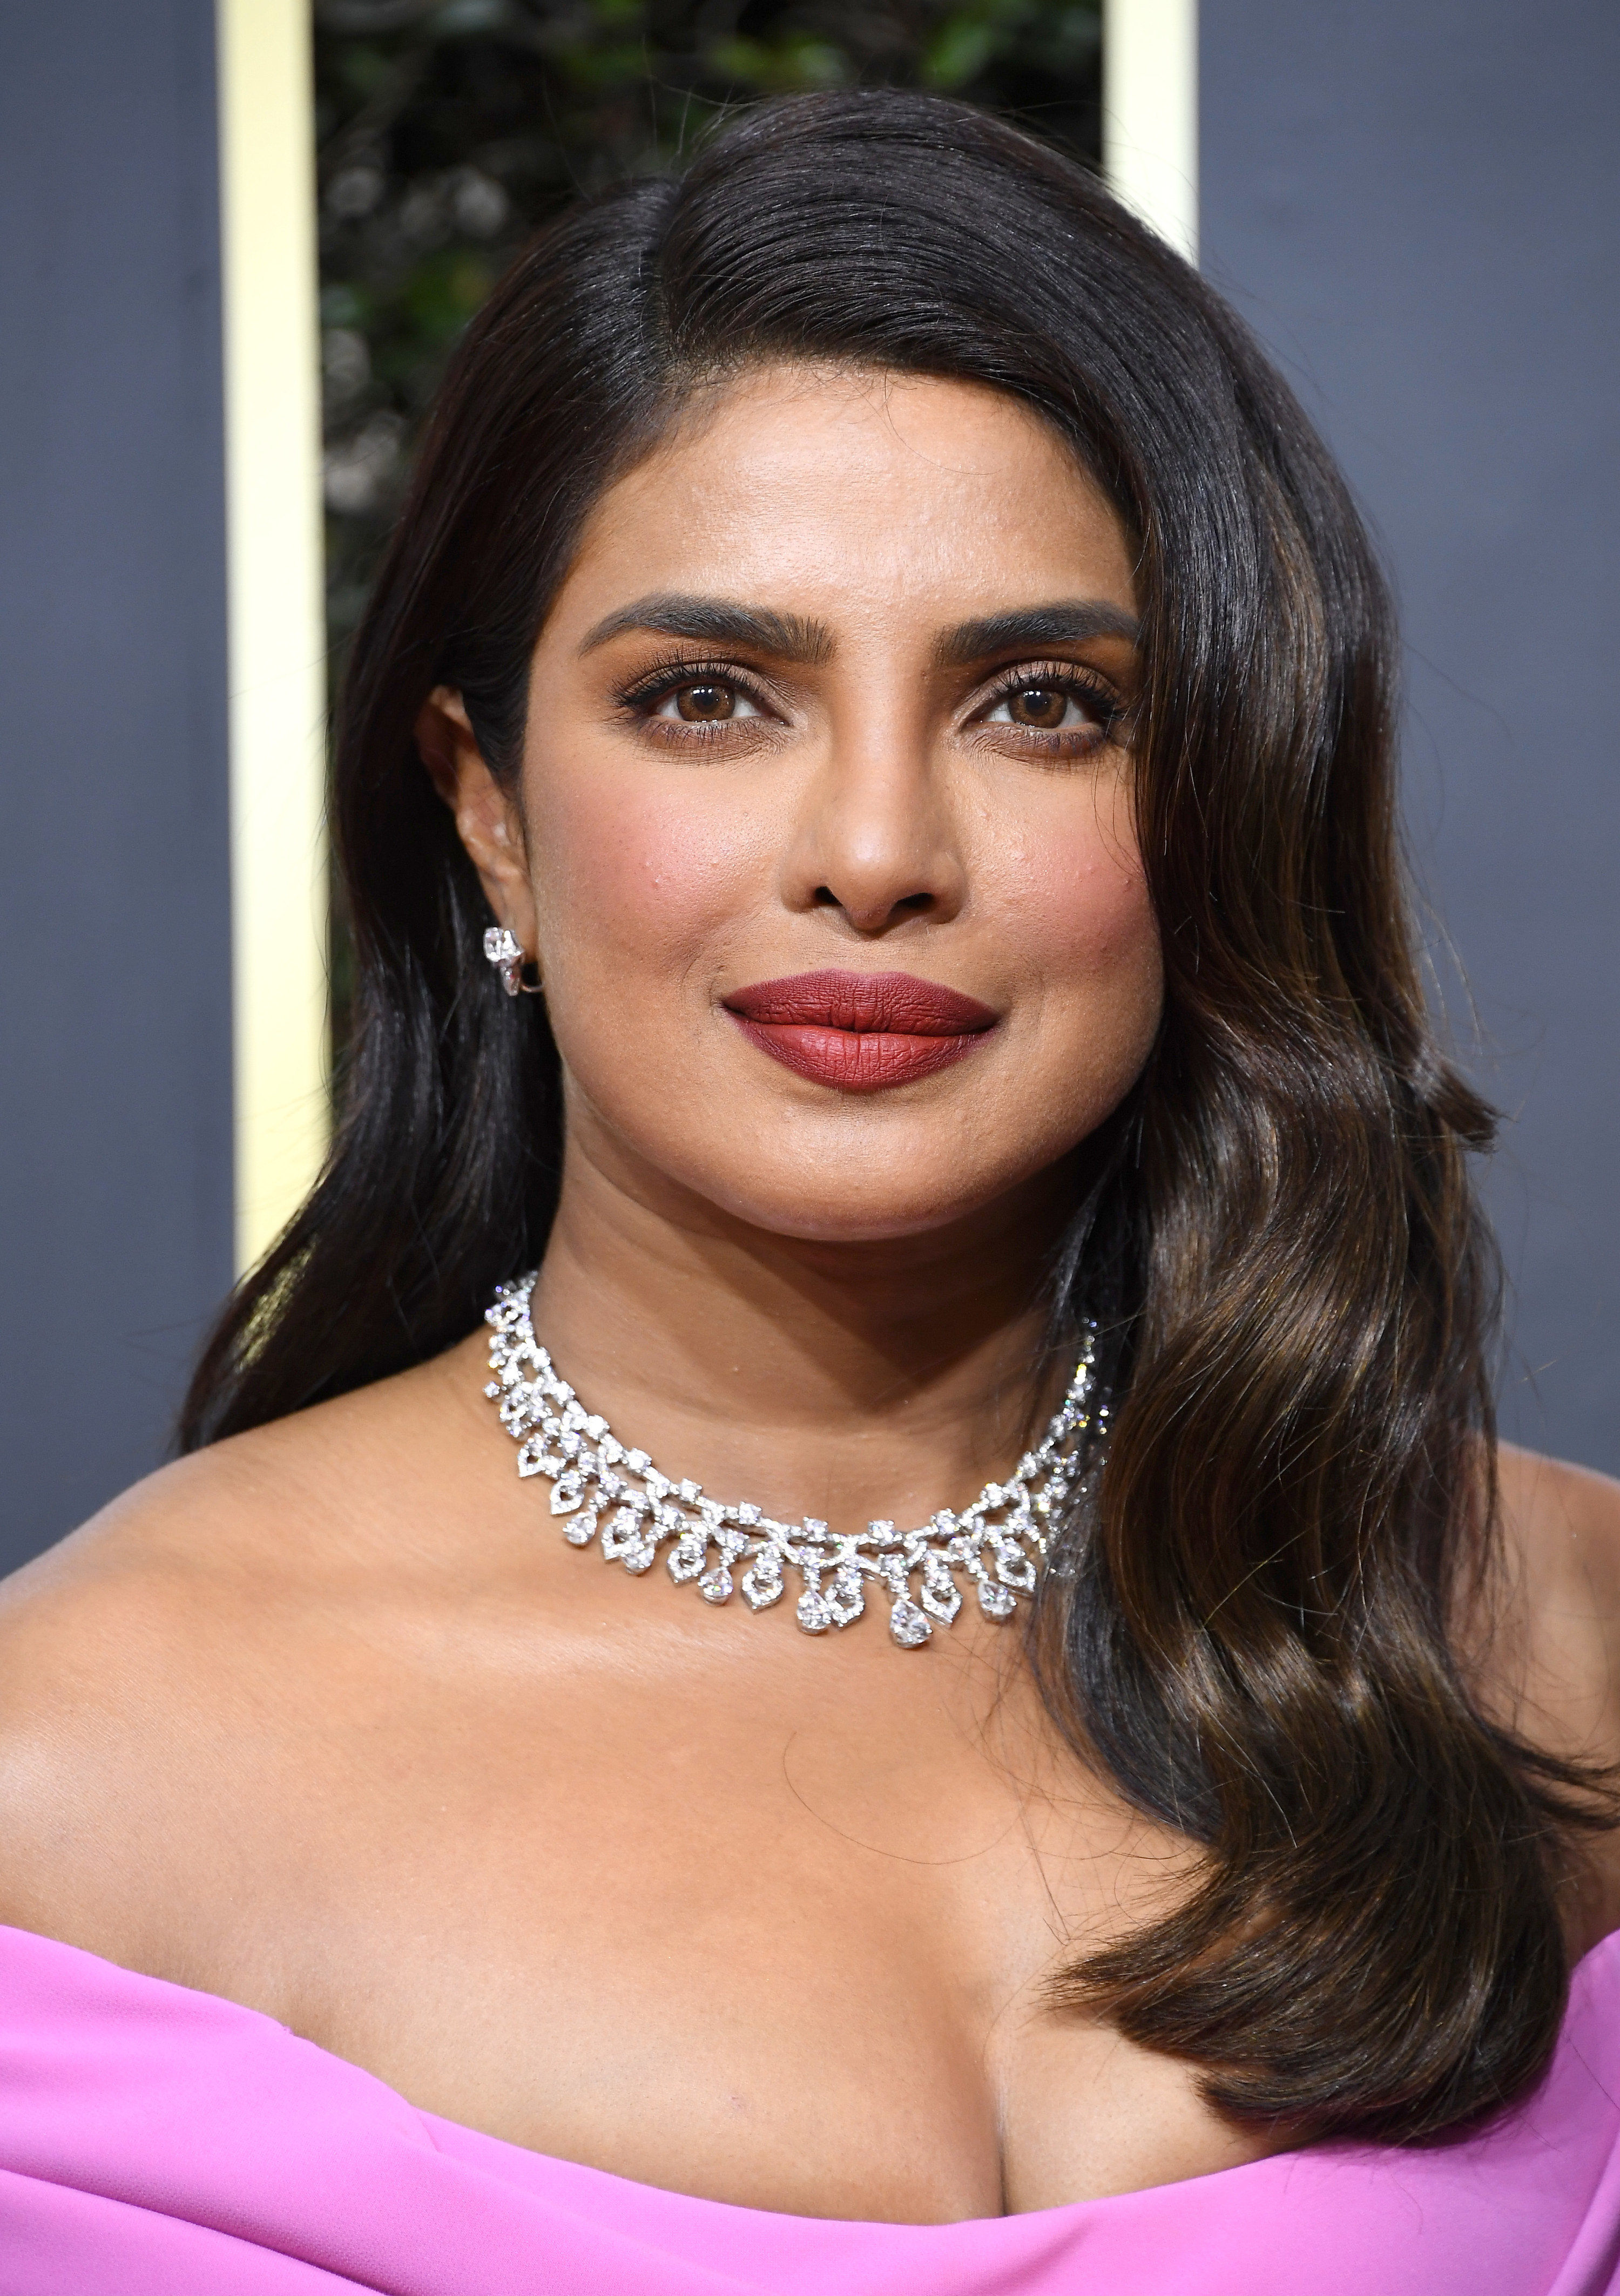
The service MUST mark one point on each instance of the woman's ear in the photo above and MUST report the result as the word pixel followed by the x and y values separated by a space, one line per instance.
pixel 487 822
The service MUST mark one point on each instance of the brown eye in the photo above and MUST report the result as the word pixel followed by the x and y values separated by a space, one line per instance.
pixel 1054 705
pixel 1044 706
pixel 704 704
pixel 706 701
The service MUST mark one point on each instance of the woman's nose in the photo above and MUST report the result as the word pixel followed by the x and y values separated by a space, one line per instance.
pixel 878 841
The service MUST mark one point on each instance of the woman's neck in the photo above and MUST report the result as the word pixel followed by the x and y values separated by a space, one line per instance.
pixel 886 1377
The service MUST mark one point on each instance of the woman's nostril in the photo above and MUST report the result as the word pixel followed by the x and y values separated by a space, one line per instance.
pixel 868 915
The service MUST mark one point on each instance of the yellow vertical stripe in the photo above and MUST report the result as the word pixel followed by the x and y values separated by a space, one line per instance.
pixel 278 636
pixel 1150 113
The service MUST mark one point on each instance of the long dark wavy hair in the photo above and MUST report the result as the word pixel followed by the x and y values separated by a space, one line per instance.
pixel 1250 1627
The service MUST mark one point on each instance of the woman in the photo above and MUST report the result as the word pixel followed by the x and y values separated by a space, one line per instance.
pixel 877 656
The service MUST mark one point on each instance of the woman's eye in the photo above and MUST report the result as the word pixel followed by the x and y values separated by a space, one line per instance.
pixel 1047 708
pixel 704 701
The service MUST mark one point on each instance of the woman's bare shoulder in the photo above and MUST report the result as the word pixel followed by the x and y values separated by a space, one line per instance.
pixel 172 1619
pixel 1561 1548
pixel 1561 1529
pixel 1552 1668
pixel 253 1510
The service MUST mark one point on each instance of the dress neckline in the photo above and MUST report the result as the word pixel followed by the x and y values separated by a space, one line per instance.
pixel 1606 1948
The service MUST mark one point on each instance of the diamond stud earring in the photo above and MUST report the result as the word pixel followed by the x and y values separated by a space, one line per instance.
pixel 504 952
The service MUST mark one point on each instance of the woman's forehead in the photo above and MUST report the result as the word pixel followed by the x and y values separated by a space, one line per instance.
pixel 840 493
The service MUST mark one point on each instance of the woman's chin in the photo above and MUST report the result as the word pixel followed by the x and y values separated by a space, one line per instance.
pixel 842 1222
pixel 865 1207
pixel 868 1186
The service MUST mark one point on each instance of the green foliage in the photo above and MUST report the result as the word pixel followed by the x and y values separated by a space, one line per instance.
pixel 448 129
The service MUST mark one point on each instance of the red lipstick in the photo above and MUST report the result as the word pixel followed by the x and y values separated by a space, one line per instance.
pixel 859 1031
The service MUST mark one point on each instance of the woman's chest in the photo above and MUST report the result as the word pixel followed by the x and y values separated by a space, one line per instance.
pixel 780 1941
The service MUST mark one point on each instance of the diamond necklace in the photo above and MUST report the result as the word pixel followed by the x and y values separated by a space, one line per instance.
pixel 998 1542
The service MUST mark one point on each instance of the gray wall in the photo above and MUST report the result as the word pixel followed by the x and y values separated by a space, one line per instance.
pixel 115 1187
pixel 1417 204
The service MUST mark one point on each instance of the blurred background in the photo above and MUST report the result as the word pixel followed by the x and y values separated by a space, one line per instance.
pixel 241 238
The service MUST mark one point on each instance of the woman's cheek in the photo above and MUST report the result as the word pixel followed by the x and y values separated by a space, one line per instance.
pixel 1105 918
pixel 1080 915
pixel 644 872
pixel 1076 895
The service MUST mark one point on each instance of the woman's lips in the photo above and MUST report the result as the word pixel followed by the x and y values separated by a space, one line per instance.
pixel 859 1031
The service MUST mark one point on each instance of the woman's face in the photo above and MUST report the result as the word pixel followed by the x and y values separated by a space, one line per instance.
pixel 823 840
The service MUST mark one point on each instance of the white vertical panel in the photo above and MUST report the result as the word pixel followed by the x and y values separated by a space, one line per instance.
pixel 1150 113
pixel 278 635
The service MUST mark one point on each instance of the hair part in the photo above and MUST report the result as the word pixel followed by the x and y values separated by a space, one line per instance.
pixel 1249 1629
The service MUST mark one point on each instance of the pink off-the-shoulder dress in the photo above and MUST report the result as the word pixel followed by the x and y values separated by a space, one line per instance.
pixel 160 2142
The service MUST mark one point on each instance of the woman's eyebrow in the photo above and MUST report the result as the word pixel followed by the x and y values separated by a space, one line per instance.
pixel 1067 622
pixel 716 621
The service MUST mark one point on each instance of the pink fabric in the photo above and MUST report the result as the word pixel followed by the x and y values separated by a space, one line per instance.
pixel 158 2142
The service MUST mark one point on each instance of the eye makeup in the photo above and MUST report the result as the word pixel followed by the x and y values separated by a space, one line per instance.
pixel 1072 685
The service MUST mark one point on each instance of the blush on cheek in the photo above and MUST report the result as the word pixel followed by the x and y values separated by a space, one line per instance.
pixel 1088 912
pixel 1091 943
pixel 636 877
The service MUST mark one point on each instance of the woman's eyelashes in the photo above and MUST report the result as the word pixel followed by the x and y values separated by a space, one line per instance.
pixel 1053 709
pixel 695 701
